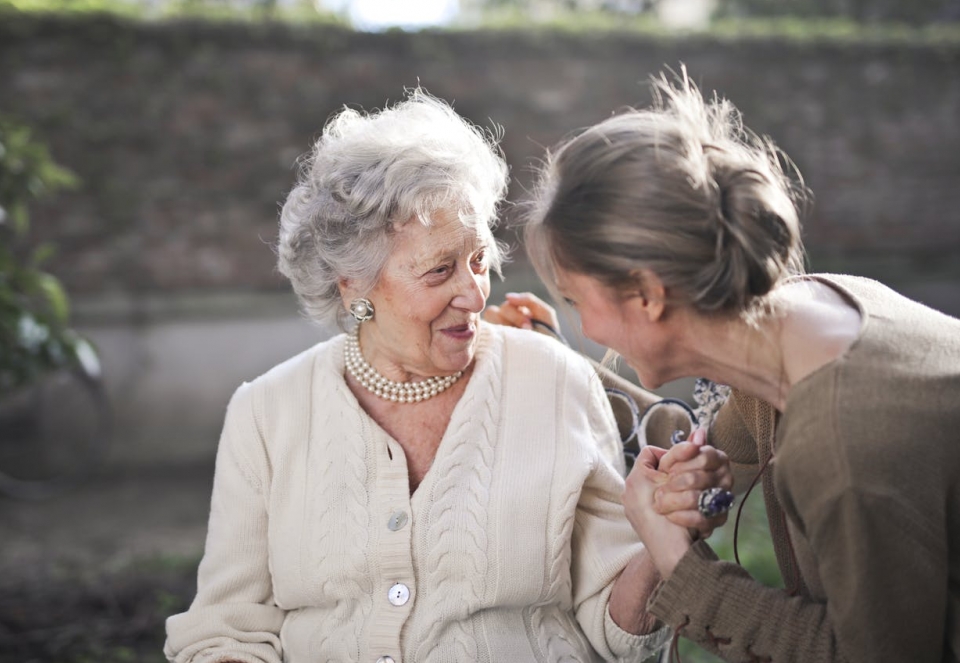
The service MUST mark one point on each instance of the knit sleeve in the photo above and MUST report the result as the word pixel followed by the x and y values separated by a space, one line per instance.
pixel 603 543
pixel 722 608
pixel 233 617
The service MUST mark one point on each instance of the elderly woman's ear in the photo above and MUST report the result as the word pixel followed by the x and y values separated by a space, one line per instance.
pixel 346 292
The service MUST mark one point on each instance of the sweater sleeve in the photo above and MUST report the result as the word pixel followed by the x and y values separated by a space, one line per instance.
pixel 603 543
pixel 233 617
pixel 901 618
pixel 722 608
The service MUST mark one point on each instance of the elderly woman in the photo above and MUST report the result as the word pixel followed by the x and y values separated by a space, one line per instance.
pixel 427 486
pixel 675 234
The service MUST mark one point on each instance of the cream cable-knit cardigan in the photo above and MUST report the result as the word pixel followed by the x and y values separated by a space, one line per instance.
pixel 508 549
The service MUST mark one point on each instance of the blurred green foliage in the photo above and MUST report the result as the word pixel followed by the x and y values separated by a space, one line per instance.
pixel 923 22
pixel 34 313
pixel 787 29
pixel 297 11
pixel 917 12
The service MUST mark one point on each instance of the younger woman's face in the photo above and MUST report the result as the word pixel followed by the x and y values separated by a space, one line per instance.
pixel 617 320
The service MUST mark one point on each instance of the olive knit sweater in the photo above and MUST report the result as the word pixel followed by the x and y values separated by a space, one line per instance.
pixel 863 499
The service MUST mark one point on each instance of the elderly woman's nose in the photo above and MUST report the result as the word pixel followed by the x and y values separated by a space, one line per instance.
pixel 470 293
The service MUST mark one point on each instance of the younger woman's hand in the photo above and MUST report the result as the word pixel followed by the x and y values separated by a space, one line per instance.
pixel 520 310
pixel 690 468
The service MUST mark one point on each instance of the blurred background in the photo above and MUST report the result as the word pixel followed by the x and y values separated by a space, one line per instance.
pixel 164 135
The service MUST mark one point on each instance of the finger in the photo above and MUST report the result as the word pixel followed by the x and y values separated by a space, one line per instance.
pixel 646 465
pixel 699 480
pixel 492 314
pixel 539 309
pixel 698 437
pixel 672 501
pixel 681 452
pixel 651 456
pixel 515 317
pixel 682 508
pixel 695 520
pixel 709 459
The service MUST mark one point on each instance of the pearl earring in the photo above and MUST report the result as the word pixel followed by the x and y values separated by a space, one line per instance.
pixel 361 309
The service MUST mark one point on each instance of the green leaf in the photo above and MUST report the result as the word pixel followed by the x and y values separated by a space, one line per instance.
pixel 56 296
pixel 43 253
pixel 85 354
pixel 20 218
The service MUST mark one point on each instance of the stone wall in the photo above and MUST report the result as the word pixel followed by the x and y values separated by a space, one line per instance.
pixel 185 136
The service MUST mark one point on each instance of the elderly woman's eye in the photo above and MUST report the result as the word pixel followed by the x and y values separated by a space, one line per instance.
pixel 570 302
pixel 480 260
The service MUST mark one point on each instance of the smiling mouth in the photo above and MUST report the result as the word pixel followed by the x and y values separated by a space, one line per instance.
pixel 465 328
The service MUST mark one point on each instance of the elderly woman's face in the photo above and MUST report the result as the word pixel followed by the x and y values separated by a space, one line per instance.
pixel 428 300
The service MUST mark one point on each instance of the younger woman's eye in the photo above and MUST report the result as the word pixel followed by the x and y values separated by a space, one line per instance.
pixel 570 302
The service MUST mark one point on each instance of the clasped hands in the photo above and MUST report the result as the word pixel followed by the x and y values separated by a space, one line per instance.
pixel 662 495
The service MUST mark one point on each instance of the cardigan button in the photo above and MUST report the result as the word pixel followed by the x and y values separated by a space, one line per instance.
pixel 399 594
pixel 397 521
pixel 385 659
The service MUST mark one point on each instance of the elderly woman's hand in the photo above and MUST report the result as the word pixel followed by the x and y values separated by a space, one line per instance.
pixel 690 468
pixel 521 310
pixel 665 541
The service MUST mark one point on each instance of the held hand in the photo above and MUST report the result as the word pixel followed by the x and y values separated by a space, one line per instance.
pixel 691 468
pixel 665 541
pixel 520 310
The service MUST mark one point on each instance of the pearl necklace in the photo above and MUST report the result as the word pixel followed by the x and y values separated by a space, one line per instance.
pixel 398 392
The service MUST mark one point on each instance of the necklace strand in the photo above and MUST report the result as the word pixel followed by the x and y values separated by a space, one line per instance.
pixel 398 392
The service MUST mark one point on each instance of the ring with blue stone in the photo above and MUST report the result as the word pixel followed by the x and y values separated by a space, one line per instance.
pixel 714 501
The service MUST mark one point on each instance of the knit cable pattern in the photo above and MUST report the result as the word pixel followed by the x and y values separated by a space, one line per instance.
pixel 458 513
pixel 341 486
pixel 553 628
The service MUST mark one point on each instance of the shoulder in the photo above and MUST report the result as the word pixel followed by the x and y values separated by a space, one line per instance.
pixel 268 412
pixel 294 376
pixel 298 368
pixel 545 371
pixel 535 351
pixel 876 299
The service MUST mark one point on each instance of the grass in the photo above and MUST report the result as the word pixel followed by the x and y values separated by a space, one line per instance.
pixel 60 616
